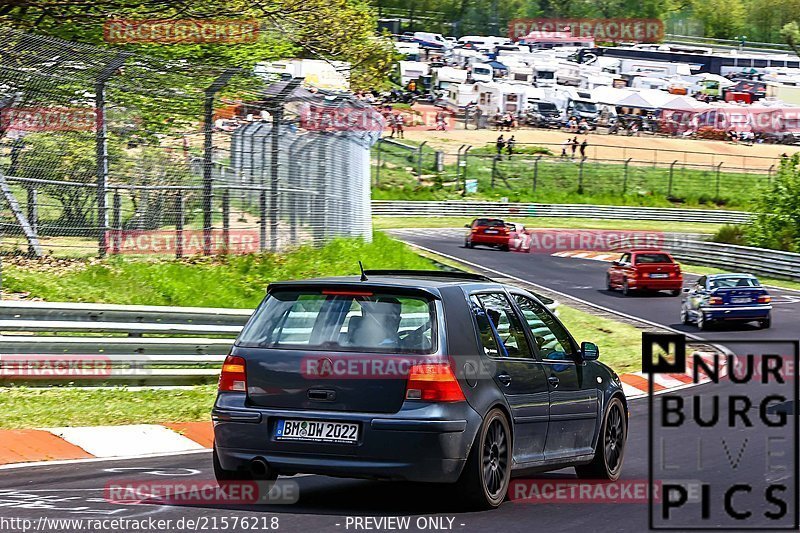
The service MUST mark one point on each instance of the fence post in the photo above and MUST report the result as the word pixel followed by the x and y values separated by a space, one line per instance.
pixel 580 176
pixel 719 168
pixel 101 148
pixel 419 159
pixel 33 209
pixel 625 176
pixel 116 223
pixel 464 175
pixel 226 220
pixel 671 170
pixel 458 165
pixel 536 172
pixel 378 166
pixel 208 147
pixel 494 169
pixel 179 207
pixel 769 174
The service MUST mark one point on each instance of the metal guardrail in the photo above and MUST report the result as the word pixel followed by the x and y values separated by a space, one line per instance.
pixel 772 263
pixel 457 208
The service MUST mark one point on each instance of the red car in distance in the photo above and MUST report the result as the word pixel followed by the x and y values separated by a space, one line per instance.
pixel 645 270
pixel 487 232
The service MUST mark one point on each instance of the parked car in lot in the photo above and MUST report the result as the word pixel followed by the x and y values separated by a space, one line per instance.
pixel 414 375
pixel 651 270
pixel 487 232
pixel 726 298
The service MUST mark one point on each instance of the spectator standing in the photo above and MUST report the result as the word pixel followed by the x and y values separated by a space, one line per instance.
pixel 583 149
pixel 564 147
pixel 510 144
pixel 574 144
pixel 500 143
pixel 399 125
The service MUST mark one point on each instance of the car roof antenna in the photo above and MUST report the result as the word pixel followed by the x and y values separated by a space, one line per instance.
pixel 363 274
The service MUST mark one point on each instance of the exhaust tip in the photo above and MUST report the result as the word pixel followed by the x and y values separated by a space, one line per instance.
pixel 261 469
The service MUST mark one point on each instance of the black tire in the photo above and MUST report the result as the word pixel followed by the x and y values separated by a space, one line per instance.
pixel 608 283
pixel 702 323
pixel 609 453
pixel 676 292
pixel 625 289
pixel 468 244
pixel 484 482
pixel 223 475
pixel 766 323
pixel 505 248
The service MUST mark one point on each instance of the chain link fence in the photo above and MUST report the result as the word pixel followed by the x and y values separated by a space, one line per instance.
pixel 105 152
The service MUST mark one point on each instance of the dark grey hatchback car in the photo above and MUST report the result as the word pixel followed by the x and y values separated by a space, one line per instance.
pixel 414 375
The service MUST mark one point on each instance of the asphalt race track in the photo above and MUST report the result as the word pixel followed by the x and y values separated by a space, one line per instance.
pixel 76 490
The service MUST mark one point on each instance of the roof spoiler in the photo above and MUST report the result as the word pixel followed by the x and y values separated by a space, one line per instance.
pixel 429 274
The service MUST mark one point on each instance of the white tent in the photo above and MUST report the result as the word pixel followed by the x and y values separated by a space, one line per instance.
pixel 646 99
pixel 684 103
pixel 723 82
pixel 610 95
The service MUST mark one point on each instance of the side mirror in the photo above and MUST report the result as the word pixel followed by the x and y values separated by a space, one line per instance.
pixel 616 262
pixel 589 351
pixel 686 290
pixel 466 225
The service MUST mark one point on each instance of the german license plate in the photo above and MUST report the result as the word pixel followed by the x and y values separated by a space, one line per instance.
pixel 659 276
pixel 741 300
pixel 490 231
pixel 317 431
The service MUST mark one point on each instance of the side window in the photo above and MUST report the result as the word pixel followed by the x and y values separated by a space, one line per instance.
pixel 551 338
pixel 495 316
pixel 701 284
pixel 626 258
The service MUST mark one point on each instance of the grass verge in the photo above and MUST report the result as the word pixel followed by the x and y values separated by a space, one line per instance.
pixel 28 407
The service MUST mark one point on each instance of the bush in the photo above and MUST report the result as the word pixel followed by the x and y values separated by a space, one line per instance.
pixel 777 222
pixel 731 234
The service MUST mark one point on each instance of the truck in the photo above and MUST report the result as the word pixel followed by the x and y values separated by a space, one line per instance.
pixel 573 102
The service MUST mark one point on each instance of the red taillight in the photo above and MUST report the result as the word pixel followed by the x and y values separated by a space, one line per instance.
pixel 233 377
pixel 764 299
pixel 715 300
pixel 433 382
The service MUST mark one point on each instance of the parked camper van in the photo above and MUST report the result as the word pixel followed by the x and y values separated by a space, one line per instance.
pixel 431 40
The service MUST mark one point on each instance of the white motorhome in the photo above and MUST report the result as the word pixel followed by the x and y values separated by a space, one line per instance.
pixel 660 68
pixel 332 75
pixel 431 40
pixel 412 70
pixel 568 73
pixel 503 97
pixel 409 50
pixel 444 77
pixel 461 95
pixel 482 43
pixel 465 56
pixel 649 82
pixel 574 102
pixel 544 73
pixel 482 72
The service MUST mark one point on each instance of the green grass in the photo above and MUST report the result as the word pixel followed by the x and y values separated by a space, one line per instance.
pixel 380 223
pixel 620 344
pixel 24 407
pixel 562 181
pixel 232 281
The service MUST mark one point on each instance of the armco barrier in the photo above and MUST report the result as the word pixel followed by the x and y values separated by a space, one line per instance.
pixel 772 263
pixel 457 208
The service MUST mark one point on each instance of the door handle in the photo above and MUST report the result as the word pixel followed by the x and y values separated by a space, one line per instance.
pixel 505 379
pixel 554 381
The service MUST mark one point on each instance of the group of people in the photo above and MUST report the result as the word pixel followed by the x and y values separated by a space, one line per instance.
pixel 574 144
pixel 505 120
pixel 575 126
pixel 507 144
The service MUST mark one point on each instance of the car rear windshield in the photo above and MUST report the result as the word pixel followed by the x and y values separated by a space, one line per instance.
pixel 343 321
pixel 642 259
pixel 490 222
pixel 733 282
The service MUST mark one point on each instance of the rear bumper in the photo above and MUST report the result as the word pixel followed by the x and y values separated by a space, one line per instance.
pixel 753 312
pixel 668 284
pixel 491 240
pixel 427 443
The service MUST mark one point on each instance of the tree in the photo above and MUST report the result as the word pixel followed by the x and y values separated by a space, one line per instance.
pixel 791 33
pixel 777 223
pixel 722 19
